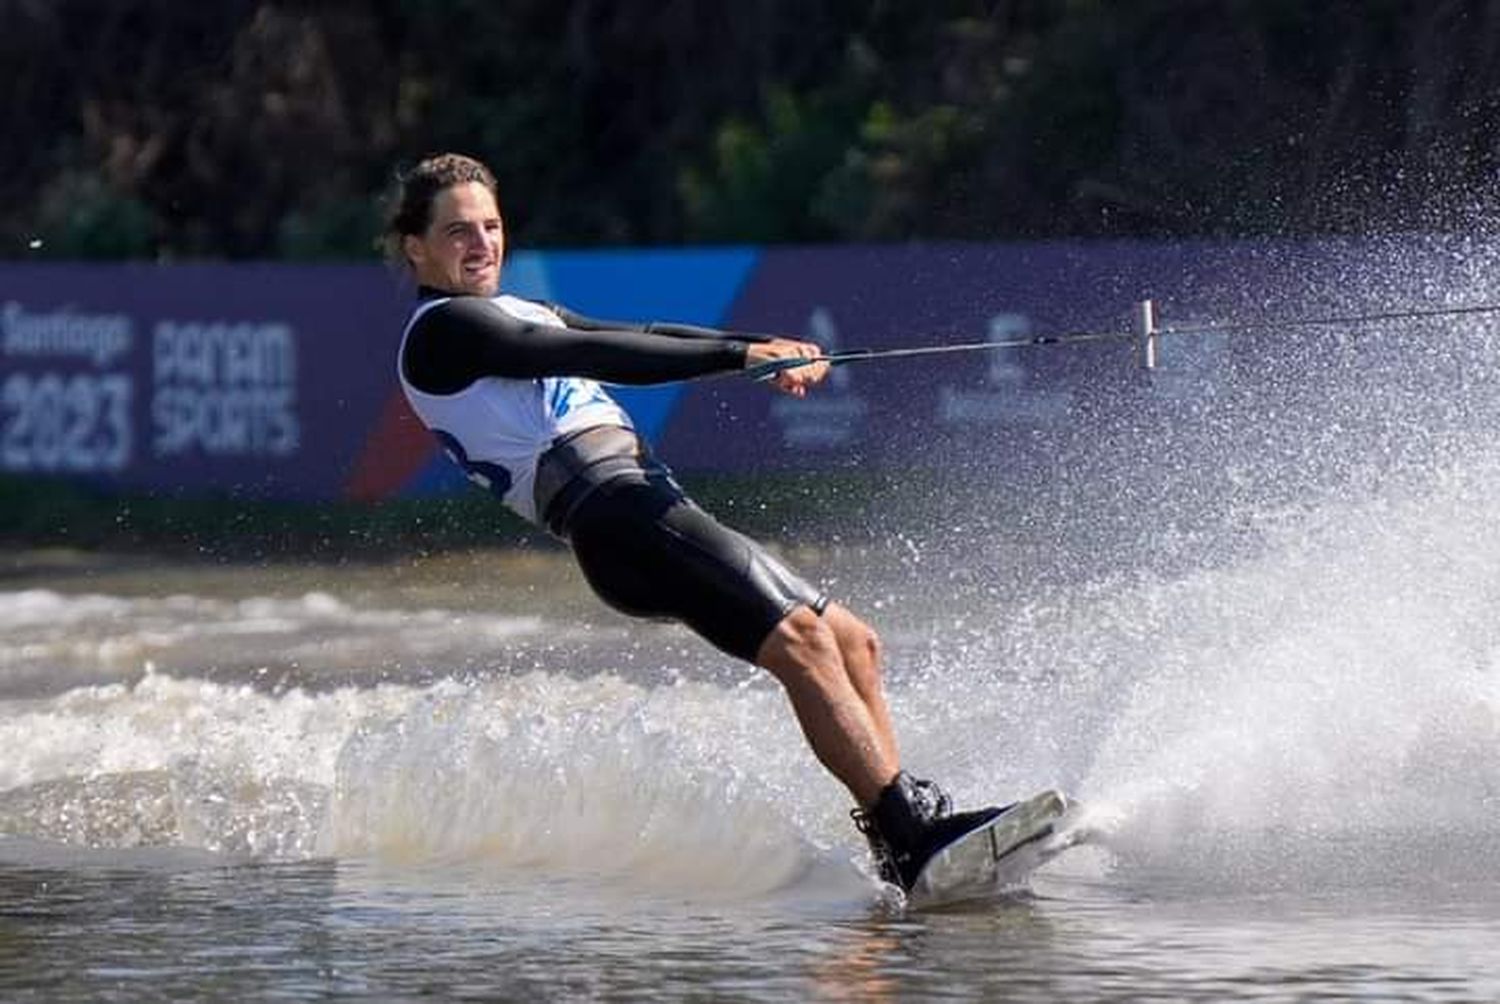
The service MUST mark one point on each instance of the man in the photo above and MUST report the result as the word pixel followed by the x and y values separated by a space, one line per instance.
pixel 508 387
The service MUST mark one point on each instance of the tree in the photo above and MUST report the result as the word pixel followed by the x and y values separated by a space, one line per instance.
pixel 270 128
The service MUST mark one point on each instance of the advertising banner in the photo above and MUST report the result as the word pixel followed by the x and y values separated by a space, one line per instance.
pixel 278 381
pixel 254 380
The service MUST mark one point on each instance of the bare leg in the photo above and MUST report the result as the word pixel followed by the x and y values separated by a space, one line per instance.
pixel 838 700
pixel 860 646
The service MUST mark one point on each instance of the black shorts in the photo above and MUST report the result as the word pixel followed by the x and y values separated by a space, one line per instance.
pixel 649 551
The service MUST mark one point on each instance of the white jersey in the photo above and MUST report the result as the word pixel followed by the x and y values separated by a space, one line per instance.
pixel 497 427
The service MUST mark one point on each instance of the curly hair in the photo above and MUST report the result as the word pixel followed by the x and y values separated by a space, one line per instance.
pixel 410 209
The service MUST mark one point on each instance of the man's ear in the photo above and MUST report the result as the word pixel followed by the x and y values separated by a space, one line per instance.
pixel 412 247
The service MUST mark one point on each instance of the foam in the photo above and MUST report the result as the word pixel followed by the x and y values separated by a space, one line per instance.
pixel 53 641
pixel 1337 699
pixel 686 787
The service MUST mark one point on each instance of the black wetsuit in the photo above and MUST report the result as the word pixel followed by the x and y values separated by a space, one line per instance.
pixel 644 546
pixel 469 337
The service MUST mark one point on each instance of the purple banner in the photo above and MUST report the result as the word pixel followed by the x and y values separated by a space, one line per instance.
pixel 252 380
pixel 277 381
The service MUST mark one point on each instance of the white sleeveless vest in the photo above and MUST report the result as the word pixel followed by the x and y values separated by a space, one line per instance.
pixel 497 427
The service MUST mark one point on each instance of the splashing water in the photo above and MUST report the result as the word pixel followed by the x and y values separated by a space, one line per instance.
pixel 1336 700
pixel 1288 674
pixel 1327 711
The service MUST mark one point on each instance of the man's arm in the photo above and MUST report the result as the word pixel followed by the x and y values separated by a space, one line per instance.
pixel 581 322
pixel 469 337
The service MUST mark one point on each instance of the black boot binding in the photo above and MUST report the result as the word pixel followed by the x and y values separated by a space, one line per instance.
pixel 909 823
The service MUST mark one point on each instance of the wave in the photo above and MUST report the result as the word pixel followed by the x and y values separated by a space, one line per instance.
pixel 1328 712
pixel 52 641
pixel 686 787
pixel 1324 709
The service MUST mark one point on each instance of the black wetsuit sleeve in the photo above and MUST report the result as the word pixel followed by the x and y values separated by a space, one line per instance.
pixel 573 319
pixel 469 337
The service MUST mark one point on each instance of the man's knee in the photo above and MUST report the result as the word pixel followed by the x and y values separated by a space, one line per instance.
pixel 859 643
pixel 803 646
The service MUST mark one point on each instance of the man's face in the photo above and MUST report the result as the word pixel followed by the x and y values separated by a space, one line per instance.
pixel 463 245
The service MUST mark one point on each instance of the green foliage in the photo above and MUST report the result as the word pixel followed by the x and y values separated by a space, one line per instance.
pixel 791 178
pixel 80 217
pixel 339 230
pixel 256 128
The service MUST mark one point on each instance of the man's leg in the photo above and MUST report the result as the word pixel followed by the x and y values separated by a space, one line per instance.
pixel 838 698
pixel 830 667
pixel 860 646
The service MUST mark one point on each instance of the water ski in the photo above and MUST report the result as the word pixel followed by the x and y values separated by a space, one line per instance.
pixel 997 856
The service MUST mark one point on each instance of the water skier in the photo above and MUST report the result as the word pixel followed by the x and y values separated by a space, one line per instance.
pixel 509 388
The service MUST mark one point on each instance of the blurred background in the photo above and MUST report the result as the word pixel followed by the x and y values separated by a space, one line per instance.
pixel 1245 605
pixel 248 129
pixel 155 152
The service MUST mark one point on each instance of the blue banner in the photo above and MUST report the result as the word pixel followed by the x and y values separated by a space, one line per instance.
pixel 278 381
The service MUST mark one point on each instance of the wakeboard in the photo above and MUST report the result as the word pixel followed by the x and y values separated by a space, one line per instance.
pixel 999 855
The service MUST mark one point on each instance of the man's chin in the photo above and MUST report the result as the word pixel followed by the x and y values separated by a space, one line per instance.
pixel 481 287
